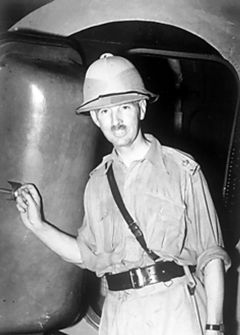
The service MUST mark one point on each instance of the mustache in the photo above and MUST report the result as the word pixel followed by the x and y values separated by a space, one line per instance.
pixel 118 126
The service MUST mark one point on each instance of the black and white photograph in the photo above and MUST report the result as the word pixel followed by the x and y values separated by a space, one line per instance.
pixel 119 167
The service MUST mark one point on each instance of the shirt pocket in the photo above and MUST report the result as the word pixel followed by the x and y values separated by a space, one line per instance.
pixel 110 232
pixel 168 226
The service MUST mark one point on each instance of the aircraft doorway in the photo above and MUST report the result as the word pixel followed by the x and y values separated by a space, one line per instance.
pixel 197 108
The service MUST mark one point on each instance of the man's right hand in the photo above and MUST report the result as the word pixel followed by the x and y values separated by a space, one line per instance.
pixel 29 204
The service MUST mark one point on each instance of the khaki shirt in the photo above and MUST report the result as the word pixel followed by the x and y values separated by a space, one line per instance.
pixel 168 196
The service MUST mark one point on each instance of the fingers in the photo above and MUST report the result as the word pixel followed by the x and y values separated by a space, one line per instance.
pixel 21 207
pixel 22 201
pixel 26 196
pixel 31 189
pixel 28 204
pixel 26 190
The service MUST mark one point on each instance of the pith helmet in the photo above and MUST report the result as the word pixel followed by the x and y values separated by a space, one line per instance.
pixel 112 80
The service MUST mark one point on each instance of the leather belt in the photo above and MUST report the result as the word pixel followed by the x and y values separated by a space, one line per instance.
pixel 140 277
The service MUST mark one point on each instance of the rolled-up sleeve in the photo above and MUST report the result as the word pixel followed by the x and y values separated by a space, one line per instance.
pixel 205 234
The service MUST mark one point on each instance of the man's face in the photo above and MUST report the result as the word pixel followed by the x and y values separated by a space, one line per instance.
pixel 120 124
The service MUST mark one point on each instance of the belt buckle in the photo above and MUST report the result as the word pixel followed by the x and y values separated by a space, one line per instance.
pixel 152 277
pixel 137 278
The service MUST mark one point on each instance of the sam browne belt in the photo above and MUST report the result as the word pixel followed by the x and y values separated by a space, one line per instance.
pixel 140 277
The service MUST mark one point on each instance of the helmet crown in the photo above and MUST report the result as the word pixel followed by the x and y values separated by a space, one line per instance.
pixel 112 80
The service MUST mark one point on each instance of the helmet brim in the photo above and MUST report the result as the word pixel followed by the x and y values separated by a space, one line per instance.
pixel 110 100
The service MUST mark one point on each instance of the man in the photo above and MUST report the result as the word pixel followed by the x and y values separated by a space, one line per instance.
pixel 174 283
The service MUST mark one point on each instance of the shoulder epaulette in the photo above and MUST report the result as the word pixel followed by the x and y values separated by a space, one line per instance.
pixel 101 167
pixel 183 159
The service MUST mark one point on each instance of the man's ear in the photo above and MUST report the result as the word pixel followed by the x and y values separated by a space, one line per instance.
pixel 94 117
pixel 142 108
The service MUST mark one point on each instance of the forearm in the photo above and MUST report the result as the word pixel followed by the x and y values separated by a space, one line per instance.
pixel 214 285
pixel 61 243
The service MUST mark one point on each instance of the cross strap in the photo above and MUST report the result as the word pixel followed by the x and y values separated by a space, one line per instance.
pixel 135 229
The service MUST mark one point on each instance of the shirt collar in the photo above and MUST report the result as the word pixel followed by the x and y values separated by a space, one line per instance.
pixel 154 154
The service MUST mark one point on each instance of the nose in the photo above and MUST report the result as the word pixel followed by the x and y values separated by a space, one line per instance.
pixel 116 116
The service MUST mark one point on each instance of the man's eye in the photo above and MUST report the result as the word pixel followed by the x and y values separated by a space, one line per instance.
pixel 103 111
pixel 124 107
